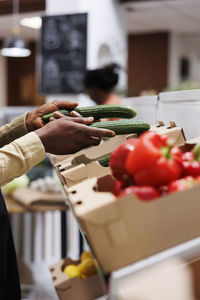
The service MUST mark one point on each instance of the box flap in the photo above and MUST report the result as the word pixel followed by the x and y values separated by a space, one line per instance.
pixel 82 172
pixel 57 274
pixel 93 153
pixel 82 196
pixel 174 132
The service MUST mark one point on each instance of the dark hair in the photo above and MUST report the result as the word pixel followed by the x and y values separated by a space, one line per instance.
pixel 105 78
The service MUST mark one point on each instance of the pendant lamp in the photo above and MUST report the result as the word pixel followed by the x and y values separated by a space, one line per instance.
pixel 15 46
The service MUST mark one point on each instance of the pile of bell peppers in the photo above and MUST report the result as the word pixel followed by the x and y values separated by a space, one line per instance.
pixel 151 166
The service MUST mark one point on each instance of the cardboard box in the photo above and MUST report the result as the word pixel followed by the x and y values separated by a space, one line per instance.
pixel 82 172
pixel 91 153
pixel 75 288
pixel 107 146
pixel 82 166
pixel 127 230
pixel 173 131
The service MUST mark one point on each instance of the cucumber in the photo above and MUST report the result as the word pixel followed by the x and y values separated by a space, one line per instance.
pixel 99 112
pixel 123 126
pixel 46 117
pixel 104 161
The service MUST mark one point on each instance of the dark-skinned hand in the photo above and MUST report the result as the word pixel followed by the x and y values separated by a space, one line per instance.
pixel 68 135
pixel 33 118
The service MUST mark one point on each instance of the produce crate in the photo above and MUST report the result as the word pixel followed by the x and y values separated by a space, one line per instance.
pixel 175 132
pixel 108 145
pixel 91 153
pixel 79 173
pixel 126 230
pixel 82 165
pixel 75 288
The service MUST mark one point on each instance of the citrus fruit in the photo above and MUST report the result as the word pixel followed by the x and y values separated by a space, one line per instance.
pixel 87 267
pixel 86 254
pixel 72 271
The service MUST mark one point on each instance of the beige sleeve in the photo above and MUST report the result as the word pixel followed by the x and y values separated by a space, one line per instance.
pixel 20 156
pixel 13 130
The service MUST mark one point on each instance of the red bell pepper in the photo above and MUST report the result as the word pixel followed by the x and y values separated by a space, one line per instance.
pixel 191 162
pixel 118 158
pixel 163 189
pixel 118 187
pixel 154 161
pixel 182 184
pixel 142 192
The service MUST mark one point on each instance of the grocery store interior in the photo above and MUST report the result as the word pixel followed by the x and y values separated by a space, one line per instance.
pixel 72 239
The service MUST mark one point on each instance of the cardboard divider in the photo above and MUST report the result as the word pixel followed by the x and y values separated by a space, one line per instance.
pixel 82 172
pixel 75 288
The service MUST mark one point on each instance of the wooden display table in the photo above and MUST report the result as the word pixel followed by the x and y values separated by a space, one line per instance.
pixel 28 200
pixel 13 207
pixel 16 207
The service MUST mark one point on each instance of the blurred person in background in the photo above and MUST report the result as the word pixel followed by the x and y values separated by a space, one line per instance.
pixel 23 145
pixel 99 84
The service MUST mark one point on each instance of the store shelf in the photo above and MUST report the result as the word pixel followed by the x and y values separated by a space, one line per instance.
pixel 186 253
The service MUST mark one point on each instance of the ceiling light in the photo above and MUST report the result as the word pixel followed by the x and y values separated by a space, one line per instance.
pixel 33 22
pixel 15 46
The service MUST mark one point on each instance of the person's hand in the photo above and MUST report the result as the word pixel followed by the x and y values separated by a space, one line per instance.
pixel 33 118
pixel 68 135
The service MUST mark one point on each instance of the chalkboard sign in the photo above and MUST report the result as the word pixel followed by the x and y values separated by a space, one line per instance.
pixel 63 48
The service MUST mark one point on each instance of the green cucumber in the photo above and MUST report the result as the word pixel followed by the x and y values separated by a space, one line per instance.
pixel 99 112
pixel 123 126
pixel 46 117
pixel 104 162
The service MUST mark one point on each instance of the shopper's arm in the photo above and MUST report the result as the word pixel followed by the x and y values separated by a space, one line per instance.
pixel 20 156
pixel 13 130
pixel 63 136
pixel 30 121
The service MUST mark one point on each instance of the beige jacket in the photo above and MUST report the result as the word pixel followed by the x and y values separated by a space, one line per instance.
pixel 19 151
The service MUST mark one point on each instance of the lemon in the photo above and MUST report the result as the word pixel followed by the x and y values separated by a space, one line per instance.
pixel 72 271
pixel 96 263
pixel 87 267
pixel 86 254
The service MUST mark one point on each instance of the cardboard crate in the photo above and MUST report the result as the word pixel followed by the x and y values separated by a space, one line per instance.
pixel 81 167
pixel 175 132
pixel 91 153
pixel 127 230
pixel 123 231
pixel 107 146
pixel 75 288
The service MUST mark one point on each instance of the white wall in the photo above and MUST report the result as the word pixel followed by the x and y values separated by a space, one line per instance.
pixel 2 81
pixel 183 45
pixel 106 26
pixel 173 65
pixel 61 6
